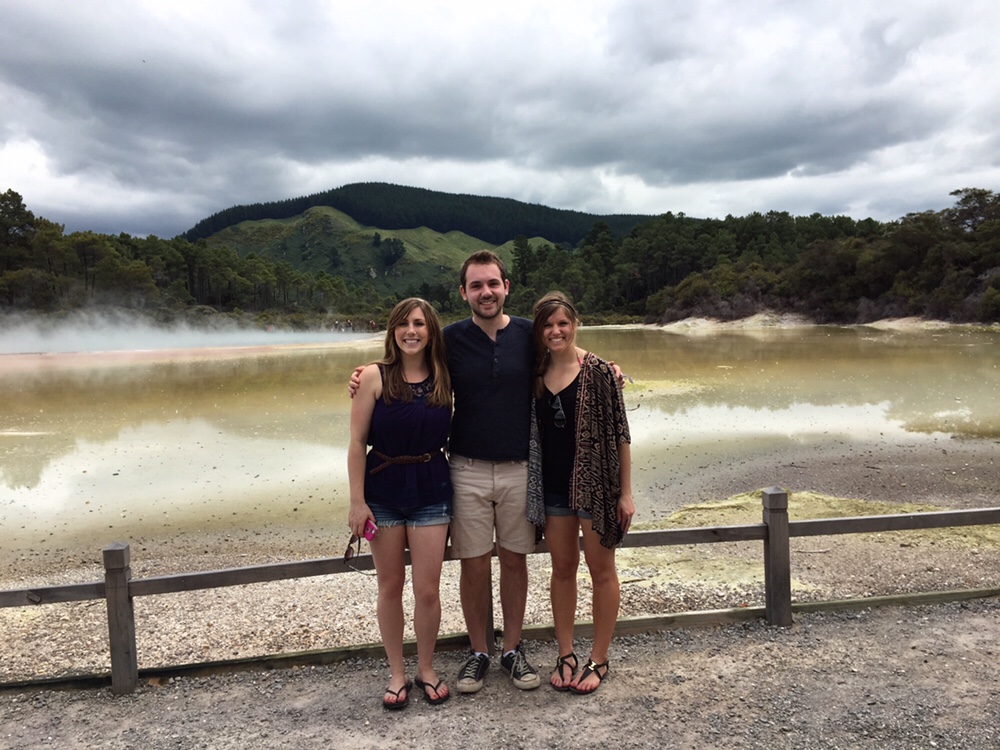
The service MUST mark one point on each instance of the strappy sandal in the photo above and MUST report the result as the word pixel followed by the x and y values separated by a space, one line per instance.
pixel 591 668
pixel 397 704
pixel 423 687
pixel 564 662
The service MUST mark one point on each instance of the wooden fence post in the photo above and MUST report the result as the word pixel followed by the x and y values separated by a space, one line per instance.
pixel 121 618
pixel 777 558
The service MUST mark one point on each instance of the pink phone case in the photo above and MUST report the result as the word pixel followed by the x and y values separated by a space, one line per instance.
pixel 370 530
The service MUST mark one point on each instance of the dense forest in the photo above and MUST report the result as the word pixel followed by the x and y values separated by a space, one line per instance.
pixel 942 265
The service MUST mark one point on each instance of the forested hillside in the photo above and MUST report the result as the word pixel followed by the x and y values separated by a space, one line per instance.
pixel 326 262
pixel 329 241
pixel 378 204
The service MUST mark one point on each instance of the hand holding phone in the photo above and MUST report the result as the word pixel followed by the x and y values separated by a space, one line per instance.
pixel 370 530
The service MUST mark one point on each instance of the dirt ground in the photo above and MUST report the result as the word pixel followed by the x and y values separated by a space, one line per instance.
pixel 924 677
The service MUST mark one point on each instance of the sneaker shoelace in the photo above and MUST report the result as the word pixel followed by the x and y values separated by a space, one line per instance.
pixel 471 668
pixel 519 665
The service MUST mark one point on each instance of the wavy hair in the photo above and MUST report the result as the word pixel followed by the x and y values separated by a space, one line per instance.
pixel 395 385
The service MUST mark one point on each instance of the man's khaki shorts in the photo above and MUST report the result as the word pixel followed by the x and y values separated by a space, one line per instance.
pixel 489 495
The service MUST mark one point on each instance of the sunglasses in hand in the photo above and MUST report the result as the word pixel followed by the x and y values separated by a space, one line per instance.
pixel 354 550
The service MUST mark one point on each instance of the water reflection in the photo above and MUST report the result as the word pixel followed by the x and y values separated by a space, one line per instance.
pixel 109 447
pixel 276 396
pixel 923 381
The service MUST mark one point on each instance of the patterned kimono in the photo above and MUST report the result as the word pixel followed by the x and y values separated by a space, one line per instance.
pixel 600 429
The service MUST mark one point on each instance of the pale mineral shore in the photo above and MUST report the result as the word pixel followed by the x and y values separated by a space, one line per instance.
pixel 918 677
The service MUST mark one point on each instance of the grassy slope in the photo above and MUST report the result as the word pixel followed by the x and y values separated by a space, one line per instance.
pixel 306 242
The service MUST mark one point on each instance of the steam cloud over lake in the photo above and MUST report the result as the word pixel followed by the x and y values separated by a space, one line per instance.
pixel 105 333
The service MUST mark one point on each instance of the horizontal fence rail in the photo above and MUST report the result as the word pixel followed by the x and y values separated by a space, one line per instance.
pixel 119 589
pixel 71 592
pixel 898 522
pixel 212 579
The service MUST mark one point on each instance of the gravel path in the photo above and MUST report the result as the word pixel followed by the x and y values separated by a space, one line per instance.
pixel 924 677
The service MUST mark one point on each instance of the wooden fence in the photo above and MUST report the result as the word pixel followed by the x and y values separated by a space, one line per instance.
pixel 119 589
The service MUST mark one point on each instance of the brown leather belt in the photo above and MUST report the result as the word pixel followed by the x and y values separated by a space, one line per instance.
pixel 423 458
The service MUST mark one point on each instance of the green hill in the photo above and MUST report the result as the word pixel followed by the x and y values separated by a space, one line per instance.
pixel 396 261
pixel 378 204
pixel 396 237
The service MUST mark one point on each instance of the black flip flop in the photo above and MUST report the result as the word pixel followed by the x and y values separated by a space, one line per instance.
pixel 397 704
pixel 423 687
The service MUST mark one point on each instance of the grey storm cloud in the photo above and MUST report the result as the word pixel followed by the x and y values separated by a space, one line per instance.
pixel 147 117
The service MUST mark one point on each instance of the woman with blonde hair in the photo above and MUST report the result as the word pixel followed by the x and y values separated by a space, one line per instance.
pixel 581 466
pixel 402 409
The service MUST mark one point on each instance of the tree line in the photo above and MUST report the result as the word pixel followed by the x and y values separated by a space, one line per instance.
pixel 833 269
pixel 942 265
pixel 44 269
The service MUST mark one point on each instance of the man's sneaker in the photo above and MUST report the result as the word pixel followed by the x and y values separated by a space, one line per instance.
pixel 473 673
pixel 522 674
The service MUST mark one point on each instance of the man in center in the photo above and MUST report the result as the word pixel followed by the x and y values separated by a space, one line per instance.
pixel 490 359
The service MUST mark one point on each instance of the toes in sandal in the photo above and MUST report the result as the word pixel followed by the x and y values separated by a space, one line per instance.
pixel 591 668
pixel 441 698
pixel 565 662
pixel 397 704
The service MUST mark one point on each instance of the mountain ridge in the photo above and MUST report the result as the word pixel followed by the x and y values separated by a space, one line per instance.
pixel 391 207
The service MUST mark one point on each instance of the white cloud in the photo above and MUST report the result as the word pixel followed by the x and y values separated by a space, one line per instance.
pixel 146 117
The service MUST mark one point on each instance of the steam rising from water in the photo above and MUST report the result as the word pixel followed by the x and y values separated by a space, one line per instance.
pixel 103 332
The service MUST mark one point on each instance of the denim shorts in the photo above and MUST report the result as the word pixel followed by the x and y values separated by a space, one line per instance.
pixel 427 515
pixel 558 505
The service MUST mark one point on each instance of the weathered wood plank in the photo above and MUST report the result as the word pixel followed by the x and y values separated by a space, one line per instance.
pixel 674 537
pixel 654 538
pixel 894 522
pixel 334 565
pixel 777 558
pixel 695 535
pixel 241 576
pixel 898 600
pixel 121 619
pixel 73 592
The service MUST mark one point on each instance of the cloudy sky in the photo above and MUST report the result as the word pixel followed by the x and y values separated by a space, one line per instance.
pixel 146 116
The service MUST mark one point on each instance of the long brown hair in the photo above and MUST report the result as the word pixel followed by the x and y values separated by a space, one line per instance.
pixel 395 385
pixel 544 308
